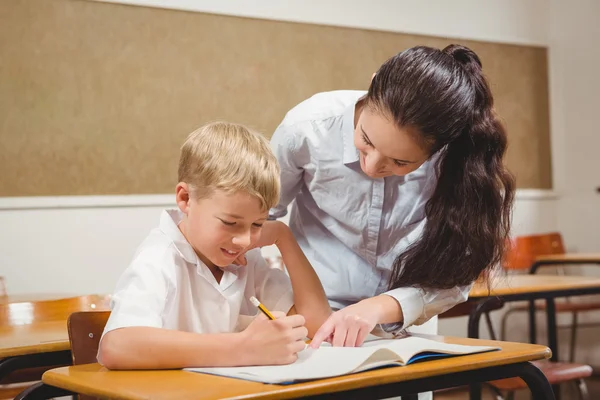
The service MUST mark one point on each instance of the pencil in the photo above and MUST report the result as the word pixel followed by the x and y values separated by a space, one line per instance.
pixel 261 307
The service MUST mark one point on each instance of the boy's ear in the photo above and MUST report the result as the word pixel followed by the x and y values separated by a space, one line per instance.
pixel 373 76
pixel 182 196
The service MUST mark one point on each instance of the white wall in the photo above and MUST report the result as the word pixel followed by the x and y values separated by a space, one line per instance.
pixel 508 21
pixel 574 58
pixel 82 244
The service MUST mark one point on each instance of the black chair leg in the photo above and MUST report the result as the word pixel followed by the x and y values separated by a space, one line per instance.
pixel 41 391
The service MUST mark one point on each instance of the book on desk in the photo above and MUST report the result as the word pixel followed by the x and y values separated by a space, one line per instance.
pixel 328 361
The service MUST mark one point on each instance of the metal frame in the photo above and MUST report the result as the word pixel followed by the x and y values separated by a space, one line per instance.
pixel 535 379
pixel 484 303
pixel 15 363
pixel 532 271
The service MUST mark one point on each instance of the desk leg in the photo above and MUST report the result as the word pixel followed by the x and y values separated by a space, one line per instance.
pixel 532 326
pixel 475 391
pixel 552 336
pixel 536 381
pixel 473 332
pixel 41 391
pixel 551 321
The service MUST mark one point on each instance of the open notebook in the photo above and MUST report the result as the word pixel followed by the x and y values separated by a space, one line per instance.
pixel 327 361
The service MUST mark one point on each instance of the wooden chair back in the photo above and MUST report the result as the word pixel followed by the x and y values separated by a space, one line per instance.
pixel 524 249
pixel 31 312
pixel 85 329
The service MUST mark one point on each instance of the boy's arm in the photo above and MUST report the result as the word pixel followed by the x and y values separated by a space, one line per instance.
pixel 264 342
pixel 141 347
pixel 309 297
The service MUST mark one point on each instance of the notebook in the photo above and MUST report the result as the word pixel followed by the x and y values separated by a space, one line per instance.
pixel 328 361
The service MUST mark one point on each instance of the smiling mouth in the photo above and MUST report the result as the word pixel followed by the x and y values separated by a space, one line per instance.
pixel 231 253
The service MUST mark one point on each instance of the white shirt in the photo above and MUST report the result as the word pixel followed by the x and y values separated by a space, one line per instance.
pixel 350 226
pixel 167 286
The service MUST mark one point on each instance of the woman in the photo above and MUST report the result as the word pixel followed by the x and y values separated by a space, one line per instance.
pixel 401 197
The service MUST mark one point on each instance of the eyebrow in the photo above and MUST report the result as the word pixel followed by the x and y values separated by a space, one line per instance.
pixel 395 159
pixel 235 216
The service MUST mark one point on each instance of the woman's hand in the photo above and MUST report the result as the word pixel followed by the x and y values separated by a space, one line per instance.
pixel 347 327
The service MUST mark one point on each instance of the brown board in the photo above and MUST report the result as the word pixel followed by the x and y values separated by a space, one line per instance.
pixel 96 98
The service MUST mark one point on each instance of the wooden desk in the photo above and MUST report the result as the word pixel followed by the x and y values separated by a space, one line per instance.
pixel 512 360
pixel 42 337
pixel 528 287
pixel 21 298
pixel 34 345
pixel 562 259
pixel 569 258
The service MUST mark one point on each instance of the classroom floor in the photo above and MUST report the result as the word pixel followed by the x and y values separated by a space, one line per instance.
pixel 568 392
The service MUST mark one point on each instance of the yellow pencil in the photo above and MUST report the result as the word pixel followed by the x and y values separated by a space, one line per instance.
pixel 261 307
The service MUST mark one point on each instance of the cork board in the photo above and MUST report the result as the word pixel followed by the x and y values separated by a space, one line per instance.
pixel 96 98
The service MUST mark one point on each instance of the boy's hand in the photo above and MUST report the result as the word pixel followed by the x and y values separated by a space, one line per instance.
pixel 276 342
pixel 271 233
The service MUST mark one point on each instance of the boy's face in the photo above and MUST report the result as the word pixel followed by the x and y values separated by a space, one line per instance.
pixel 222 226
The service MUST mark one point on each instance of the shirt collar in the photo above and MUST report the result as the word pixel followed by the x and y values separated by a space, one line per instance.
pixel 350 152
pixel 169 220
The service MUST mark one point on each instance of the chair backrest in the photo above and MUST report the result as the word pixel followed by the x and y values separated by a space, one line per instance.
pixel 524 249
pixel 85 329
pixel 30 312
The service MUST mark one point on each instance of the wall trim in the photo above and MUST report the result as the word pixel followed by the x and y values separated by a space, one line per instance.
pixel 507 21
pixel 62 202
pixel 157 200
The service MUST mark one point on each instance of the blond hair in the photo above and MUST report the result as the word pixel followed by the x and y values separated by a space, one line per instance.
pixel 229 157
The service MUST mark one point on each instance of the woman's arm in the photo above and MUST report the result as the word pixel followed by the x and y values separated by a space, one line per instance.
pixel 402 307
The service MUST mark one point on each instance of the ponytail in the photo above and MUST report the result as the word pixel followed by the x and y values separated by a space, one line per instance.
pixel 468 215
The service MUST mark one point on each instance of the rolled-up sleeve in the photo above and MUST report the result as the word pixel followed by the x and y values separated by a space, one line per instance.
pixel 419 305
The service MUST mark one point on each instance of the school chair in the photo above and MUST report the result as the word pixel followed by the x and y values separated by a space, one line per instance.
pixel 85 329
pixel 555 372
pixel 522 257
pixel 34 312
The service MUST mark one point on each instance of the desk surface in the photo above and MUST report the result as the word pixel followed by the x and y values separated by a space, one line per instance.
pixel 95 380
pixel 571 257
pixel 22 298
pixel 40 337
pixel 517 284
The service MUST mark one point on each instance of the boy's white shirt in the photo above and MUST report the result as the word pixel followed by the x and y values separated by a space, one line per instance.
pixel 167 286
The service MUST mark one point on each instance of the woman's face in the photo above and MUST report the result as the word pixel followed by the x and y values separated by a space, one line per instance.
pixel 385 149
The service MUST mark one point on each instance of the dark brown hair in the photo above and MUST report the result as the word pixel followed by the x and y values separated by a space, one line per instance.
pixel 445 97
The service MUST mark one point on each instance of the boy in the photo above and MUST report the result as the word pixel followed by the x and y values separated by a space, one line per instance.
pixel 182 302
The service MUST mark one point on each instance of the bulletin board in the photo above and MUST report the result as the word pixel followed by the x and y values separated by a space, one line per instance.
pixel 97 98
